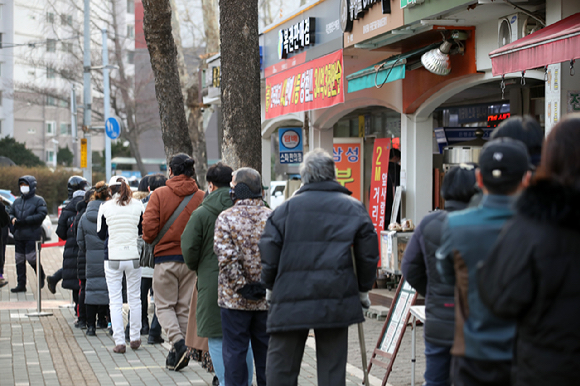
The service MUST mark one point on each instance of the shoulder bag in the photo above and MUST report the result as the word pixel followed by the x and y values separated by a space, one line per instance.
pixel 146 250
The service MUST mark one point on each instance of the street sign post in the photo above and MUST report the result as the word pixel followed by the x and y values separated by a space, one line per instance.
pixel 113 128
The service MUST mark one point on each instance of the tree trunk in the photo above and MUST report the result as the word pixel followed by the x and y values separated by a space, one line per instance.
pixel 197 134
pixel 210 26
pixel 240 84
pixel 163 53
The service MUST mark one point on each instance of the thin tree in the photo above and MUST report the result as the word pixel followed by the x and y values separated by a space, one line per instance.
pixel 163 54
pixel 240 83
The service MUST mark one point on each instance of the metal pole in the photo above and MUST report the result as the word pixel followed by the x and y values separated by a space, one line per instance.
pixel 73 124
pixel 107 103
pixel 413 349
pixel 87 173
pixel 38 296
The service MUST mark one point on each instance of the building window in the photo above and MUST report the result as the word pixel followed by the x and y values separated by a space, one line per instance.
pixel 130 31
pixel 50 101
pixel 50 156
pixel 50 45
pixel 62 103
pixel 131 57
pixel 50 128
pixel 131 6
pixel 31 130
pixel 50 73
pixel 65 129
pixel 1 36
pixel 66 20
pixel 67 47
pixel 50 17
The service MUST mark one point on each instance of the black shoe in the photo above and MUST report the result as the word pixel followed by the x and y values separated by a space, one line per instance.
pixel 155 340
pixel 51 283
pixel 101 324
pixel 170 361
pixel 145 330
pixel 181 359
pixel 80 324
pixel 91 331
pixel 215 381
pixel 18 288
pixel 111 331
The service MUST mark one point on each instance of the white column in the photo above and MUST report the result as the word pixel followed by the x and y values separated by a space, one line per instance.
pixel 266 165
pixel 321 138
pixel 416 166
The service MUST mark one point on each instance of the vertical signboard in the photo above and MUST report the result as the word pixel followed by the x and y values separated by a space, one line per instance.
pixel 348 154
pixel 83 152
pixel 291 147
pixel 379 175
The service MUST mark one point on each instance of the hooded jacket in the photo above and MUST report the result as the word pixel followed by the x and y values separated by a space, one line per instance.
pixel 197 248
pixel 81 257
pixel 419 269
pixel 307 259
pixel 531 276
pixel 162 203
pixel 65 230
pixel 93 248
pixel 30 211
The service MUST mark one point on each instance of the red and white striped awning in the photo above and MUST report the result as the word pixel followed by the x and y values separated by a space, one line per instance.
pixel 556 43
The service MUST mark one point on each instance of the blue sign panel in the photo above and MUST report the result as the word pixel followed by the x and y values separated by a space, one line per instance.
pixel 291 146
pixel 113 128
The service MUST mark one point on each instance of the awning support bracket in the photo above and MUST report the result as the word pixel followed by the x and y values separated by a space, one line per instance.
pixel 572 71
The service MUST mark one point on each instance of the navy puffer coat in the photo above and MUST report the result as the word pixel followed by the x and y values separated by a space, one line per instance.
pixel 65 231
pixel 93 248
pixel 306 251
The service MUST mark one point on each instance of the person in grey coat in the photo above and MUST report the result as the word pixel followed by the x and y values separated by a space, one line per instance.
pixel 97 295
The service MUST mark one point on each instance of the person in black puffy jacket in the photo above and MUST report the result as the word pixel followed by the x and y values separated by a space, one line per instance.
pixel 26 216
pixel 531 275
pixel 307 252
pixel 65 231
pixel 419 270
pixel 81 256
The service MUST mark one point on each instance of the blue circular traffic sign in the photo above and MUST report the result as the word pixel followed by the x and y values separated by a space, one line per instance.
pixel 113 128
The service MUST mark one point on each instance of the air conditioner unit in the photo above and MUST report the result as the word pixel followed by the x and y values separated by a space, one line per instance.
pixel 513 27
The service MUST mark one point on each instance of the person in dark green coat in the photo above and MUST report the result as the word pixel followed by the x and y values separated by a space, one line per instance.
pixel 197 249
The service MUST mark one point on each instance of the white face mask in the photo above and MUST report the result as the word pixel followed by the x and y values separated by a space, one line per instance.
pixel 24 189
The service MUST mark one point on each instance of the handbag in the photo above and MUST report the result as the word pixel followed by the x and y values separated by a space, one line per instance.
pixel 146 250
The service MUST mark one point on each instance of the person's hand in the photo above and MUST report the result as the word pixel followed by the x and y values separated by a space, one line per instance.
pixel 14 221
pixel 364 300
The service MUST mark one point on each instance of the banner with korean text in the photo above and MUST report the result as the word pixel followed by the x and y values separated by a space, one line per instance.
pixel 379 175
pixel 348 159
pixel 313 85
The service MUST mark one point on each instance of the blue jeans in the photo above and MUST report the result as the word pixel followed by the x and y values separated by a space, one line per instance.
pixel 215 351
pixel 438 369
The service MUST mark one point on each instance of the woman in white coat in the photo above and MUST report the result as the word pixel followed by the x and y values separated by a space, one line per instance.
pixel 119 223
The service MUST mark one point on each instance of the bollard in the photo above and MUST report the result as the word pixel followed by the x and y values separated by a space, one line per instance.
pixel 39 311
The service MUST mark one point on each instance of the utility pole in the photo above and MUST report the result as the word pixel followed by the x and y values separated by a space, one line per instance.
pixel 73 124
pixel 87 173
pixel 107 104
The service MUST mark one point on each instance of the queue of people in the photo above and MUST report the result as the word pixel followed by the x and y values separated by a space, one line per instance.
pixel 498 274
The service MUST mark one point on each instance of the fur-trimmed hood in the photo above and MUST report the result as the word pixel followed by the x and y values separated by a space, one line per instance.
pixel 550 202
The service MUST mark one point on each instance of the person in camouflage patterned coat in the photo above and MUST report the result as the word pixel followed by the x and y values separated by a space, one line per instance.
pixel 241 296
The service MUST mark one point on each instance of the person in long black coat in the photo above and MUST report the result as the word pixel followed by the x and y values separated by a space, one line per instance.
pixel 307 250
pixel 419 269
pixel 532 273
pixel 4 221
pixel 65 231
pixel 81 258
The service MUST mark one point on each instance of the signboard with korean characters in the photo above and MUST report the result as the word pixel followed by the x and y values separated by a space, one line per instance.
pixel 364 19
pixel 348 158
pixel 296 37
pixel 379 176
pixel 313 85
pixel 291 146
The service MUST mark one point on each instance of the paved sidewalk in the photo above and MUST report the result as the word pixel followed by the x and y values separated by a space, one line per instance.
pixel 50 351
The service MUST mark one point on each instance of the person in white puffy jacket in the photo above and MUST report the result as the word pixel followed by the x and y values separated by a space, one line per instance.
pixel 119 222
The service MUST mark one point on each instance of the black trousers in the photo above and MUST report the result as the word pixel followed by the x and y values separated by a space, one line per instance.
pixel 238 329
pixel 286 349
pixel 81 307
pixel 146 286
pixel 474 372
pixel 3 241
pixel 93 310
